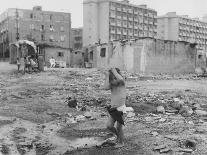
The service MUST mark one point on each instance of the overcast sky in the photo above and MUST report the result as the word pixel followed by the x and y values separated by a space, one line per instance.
pixel 193 8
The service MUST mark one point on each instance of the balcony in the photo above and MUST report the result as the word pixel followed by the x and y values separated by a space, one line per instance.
pixel 124 32
pixel 118 31
pixel 130 26
pixel 118 17
pixel 124 10
pixel 130 11
pixel 136 12
pixel 118 9
pixel 113 23
pixel 130 18
pixel 112 7
pixel 112 15
pixel 124 25
pixel 135 27
pixel 125 17
pixel 112 31
pixel 118 24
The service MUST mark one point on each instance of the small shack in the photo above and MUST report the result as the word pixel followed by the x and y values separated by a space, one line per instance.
pixel 21 49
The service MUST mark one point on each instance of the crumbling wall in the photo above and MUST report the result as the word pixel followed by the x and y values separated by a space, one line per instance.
pixel 147 56
pixel 169 57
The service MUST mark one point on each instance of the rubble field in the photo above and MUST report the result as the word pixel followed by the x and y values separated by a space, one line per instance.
pixel 63 111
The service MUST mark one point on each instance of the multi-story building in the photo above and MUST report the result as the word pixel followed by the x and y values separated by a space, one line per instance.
pixel 107 20
pixel 205 18
pixel 182 28
pixel 40 26
pixel 77 38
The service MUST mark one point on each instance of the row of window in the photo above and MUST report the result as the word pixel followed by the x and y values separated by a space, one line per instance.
pixel 50 17
pixel 131 9
pixel 42 28
pixel 191 22
pixel 137 20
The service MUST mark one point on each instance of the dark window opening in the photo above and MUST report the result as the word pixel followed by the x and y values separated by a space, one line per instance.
pixel 42 37
pixel 50 17
pixel 91 55
pixel 76 52
pixel 199 56
pixel 43 27
pixel 103 52
pixel 31 15
pixel 60 54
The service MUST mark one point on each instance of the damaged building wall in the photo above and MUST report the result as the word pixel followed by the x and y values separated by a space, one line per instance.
pixel 169 57
pixel 59 54
pixel 147 56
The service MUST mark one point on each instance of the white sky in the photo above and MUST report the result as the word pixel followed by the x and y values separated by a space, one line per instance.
pixel 193 8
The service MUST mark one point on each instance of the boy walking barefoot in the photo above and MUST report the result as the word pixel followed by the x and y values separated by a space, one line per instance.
pixel 115 82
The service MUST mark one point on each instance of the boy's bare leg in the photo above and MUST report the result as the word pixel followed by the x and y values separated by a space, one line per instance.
pixel 110 126
pixel 120 137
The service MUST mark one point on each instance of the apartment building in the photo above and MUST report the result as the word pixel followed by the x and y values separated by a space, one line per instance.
pixel 77 38
pixel 182 28
pixel 107 20
pixel 40 26
pixel 205 18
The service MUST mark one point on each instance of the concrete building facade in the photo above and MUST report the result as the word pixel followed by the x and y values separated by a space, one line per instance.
pixel 77 38
pixel 108 20
pixel 182 28
pixel 45 27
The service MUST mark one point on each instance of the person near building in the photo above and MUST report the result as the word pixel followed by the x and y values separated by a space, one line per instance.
pixel 18 64
pixel 115 82
pixel 52 62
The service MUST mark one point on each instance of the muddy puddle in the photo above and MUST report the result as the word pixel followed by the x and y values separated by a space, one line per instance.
pixel 23 137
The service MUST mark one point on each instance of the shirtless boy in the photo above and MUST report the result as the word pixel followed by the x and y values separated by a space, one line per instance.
pixel 115 82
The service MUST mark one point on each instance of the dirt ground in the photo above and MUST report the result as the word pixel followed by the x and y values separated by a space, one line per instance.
pixel 37 115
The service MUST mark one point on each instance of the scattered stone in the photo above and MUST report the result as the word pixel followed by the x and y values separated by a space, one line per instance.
pixel 72 102
pixel 165 150
pixel 172 137
pixel 88 114
pixel 201 112
pixel 154 133
pixel 186 111
pixel 160 109
pixel 196 106
pixel 130 114
pixel 160 147
pixel 80 118
pixel 162 120
pixel 185 150
pixel 177 104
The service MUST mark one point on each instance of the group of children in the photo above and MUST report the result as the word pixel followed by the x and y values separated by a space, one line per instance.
pixel 27 64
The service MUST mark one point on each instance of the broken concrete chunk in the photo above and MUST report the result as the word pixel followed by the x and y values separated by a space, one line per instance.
pixel 160 109
pixel 185 150
pixel 165 150
pixel 201 112
pixel 88 114
pixel 160 147
pixel 80 118
pixel 186 111
pixel 154 133
pixel 130 114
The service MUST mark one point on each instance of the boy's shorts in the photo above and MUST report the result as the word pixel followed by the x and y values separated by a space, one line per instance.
pixel 116 115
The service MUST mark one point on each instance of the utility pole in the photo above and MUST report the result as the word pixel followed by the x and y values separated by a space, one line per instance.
pixel 17 25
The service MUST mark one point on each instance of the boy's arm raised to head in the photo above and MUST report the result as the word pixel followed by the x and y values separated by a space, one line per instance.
pixel 117 75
